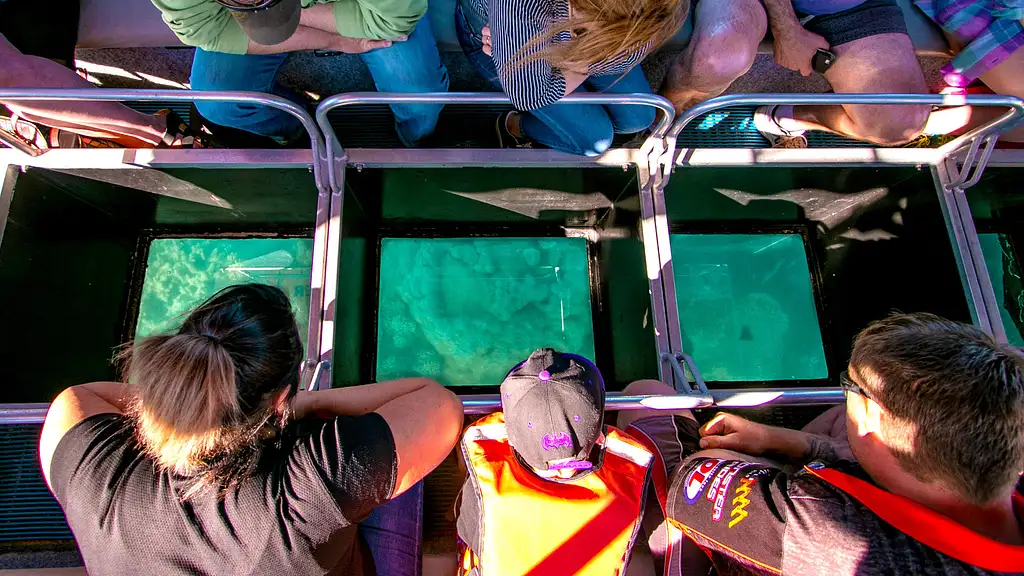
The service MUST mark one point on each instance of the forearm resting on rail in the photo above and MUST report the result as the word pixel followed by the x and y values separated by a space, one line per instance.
pixel 359 400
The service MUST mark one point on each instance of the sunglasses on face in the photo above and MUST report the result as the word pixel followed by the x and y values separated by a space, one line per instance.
pixel 247 5
pixel 848 385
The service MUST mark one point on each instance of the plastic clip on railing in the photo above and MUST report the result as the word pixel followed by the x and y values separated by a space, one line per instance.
pixel 676 361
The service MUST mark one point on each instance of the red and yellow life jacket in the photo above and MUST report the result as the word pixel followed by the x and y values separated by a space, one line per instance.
pixel 531 526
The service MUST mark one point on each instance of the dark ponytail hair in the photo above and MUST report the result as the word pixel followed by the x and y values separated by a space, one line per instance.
pixel 206 396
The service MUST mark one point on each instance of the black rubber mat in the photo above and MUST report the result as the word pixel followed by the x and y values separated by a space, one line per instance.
pixel 28 511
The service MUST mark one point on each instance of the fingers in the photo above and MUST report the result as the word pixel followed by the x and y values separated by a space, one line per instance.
pixel 366 45
pixel 730 442
pixel 716 426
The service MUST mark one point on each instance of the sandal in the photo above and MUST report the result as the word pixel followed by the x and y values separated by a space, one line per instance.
pixel 177 135
pixel 22 131
pixel 776 135
pixel 505 138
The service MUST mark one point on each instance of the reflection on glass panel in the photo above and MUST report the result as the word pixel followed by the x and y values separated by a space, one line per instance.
pixel 746 306
pixel 1004 271
pixel 463 311
pixel 182 272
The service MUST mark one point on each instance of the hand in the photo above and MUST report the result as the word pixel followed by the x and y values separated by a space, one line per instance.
pixel 486 36
pixel 360 45
pixel 730 432
pixel 795 49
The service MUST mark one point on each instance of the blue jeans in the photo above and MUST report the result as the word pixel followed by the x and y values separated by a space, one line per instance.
pixel 585 129
pixel 393 532
pixel 410 66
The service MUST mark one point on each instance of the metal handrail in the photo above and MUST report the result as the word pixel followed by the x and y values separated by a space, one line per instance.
pixel 23 413
pixel 1016 106
pixel 973 139
pixel 486 403
pixel 735 398
pixel 334 149
pixel 110 95
pixel 258 98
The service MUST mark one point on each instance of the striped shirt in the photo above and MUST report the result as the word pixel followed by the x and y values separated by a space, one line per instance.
pixel 513 24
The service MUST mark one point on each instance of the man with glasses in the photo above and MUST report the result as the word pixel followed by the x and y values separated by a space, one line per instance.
pixel 933 436
pixel 241 45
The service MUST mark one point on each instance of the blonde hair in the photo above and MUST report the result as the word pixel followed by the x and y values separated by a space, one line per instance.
pixel 206 397
pixel 605 30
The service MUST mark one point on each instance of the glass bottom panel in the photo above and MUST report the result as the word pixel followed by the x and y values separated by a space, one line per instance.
pixel 746 306
pixel 1005 274
pixel 182 272
pixel 463 311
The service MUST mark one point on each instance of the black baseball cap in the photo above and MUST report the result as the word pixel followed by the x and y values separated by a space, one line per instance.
pixel 266 22
pixel 554 409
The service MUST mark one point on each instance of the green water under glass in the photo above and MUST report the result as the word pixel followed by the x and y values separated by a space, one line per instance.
pixel 183 272
pixel 746 306
pixel 463 311
pixel 998 260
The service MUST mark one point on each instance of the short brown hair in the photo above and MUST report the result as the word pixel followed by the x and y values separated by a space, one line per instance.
pixel 953 399
pixel 204 396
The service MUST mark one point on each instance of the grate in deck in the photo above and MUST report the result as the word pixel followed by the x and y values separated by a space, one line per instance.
pixel 28 511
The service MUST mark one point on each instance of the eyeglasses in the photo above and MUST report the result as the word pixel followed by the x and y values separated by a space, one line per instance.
pixel 848 385
pixel 246 5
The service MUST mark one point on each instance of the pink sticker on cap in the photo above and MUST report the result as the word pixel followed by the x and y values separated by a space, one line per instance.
pixel 544 375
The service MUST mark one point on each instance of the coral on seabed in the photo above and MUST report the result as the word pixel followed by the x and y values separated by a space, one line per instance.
pixel 182 272
pixel 465 310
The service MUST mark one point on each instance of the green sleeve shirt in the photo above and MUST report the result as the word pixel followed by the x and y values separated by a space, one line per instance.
pixel 210 26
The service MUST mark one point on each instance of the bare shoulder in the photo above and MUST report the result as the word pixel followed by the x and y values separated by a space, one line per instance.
pixel 75 404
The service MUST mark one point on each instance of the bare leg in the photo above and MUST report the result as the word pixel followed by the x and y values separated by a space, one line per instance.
pixel 97 119
pixel 647 388
pixel 1006 78
pixel 883 63
pixel 726 34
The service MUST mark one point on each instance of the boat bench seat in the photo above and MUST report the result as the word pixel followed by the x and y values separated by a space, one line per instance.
pixel 137 24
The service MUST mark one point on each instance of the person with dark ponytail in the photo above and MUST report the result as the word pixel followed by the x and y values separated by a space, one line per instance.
pixel 207 459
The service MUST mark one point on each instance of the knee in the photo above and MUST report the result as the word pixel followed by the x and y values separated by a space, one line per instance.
pixel 223 113
pixel 723 55
pixel 638 119
pixel 595 136
pixel 892 125
pixel 597 146
pixel 648 388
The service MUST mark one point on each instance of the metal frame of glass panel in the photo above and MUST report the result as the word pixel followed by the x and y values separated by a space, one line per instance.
pixel 956 166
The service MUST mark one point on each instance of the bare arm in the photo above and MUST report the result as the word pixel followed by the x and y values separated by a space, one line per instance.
pixel 307 38
pixel 794 45
pixel 731 432
pixel 781 16
pixel 76 404
pixel 425 419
